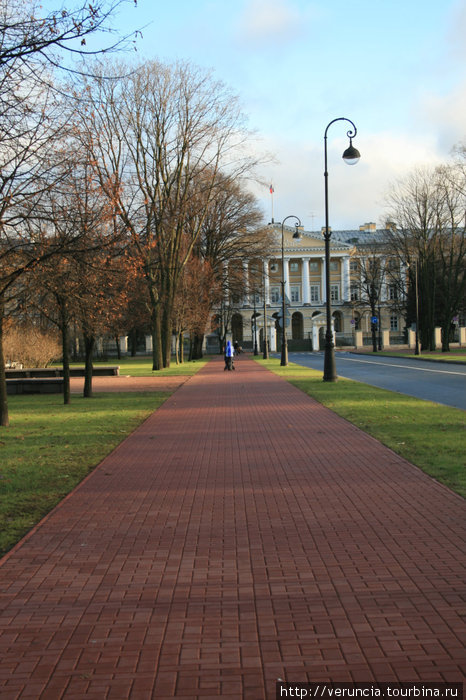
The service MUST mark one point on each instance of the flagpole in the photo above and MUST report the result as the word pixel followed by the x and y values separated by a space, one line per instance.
pixel 271 197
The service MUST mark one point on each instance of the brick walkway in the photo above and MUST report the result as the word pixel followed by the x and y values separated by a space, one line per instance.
pixel 242 534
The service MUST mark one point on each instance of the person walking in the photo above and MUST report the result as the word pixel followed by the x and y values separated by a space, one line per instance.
pixel 229 354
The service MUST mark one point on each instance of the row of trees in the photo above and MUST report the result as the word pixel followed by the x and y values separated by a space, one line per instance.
pixel 421 257
pixel 429 207
pixel 122 186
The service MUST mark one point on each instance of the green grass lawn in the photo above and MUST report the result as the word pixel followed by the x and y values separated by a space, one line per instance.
pixel 141 366
pixel 49 448
pixel 427 434
pixel 456 355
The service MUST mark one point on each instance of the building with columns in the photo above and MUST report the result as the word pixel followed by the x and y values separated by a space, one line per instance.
pixel 304 276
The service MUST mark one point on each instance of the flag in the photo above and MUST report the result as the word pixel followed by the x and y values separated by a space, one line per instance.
pixel 271 190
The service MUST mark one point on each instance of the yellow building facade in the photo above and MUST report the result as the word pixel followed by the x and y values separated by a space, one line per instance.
pixel 304 277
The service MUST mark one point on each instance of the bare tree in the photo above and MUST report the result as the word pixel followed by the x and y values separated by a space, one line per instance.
pixel 231 232
pixel 30 123
pixel 367 287
pixel 159 137
pixel 28 38
pixel 77 283
pixel 29 116
pixel 428 208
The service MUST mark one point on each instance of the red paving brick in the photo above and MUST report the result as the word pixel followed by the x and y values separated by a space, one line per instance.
pixel 243 533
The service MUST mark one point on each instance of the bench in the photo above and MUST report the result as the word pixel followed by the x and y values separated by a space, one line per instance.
pixel 35 385
pixel 41 372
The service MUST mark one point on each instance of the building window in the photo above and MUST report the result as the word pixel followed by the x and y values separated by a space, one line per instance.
pixel 295 295
pixel 394 323
pixel 334 292
pixel 273 267
pixel 354 265
pixel 315 294
pixel 392 292
pixel 314 266
pixel 294 267
pixel 274 295
pixel 334 266
pixel 354 292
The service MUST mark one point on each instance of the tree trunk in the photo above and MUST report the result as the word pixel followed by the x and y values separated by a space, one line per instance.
pixel 181 347
pixel 177 349
pixel 4 419
pixel 132 340
pixel 446 328
pixel 166 334
pixel 117 343
pixel 64 327
pixel 374 337
pixel 157 362
pixel 198 341
pixel 89 342
pixel 373 325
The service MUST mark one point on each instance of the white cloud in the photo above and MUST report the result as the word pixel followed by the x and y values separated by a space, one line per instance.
pixel 269 20
pixel 457 31
pixel 356 193
pixel 447 113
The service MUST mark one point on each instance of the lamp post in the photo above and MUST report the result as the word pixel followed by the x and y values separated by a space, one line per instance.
pixel 416 349
pixel 256 351
pixel 415 264
pixel 266 347
pixel 351 157
pixel 284 356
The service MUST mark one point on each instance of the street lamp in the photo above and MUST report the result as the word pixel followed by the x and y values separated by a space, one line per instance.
pixel 266 347
pixel 284 356
pixel 351 157
pixel 416 291
pixel 256 351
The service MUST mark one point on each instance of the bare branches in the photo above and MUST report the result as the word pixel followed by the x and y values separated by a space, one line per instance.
pixel 160 137
pixel 27 35
pixel 429 209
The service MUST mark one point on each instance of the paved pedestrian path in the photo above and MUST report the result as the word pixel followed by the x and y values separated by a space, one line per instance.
pixel 243 533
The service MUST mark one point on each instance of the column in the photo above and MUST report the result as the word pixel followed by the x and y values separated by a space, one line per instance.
pixel 246 281
pixel 345 279
pixel 123 342
pixel 383 281
pixel 323 295
pixel 226 279
pixel 306 282
pixel 266 282
pixel 286 277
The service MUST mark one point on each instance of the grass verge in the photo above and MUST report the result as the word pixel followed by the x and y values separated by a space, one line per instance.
pixel 50 448
pixel 427 434
pixel 457 355
pixel 141 366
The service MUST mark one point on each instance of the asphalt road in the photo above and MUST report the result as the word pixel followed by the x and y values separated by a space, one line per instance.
pixel 433 381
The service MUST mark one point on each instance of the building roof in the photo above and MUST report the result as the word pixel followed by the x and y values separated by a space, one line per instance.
pixel 313 241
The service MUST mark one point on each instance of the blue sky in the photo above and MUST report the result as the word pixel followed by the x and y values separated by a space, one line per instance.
pixel 395 67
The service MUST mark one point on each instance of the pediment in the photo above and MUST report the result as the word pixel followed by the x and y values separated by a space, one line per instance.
pixel 309 242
